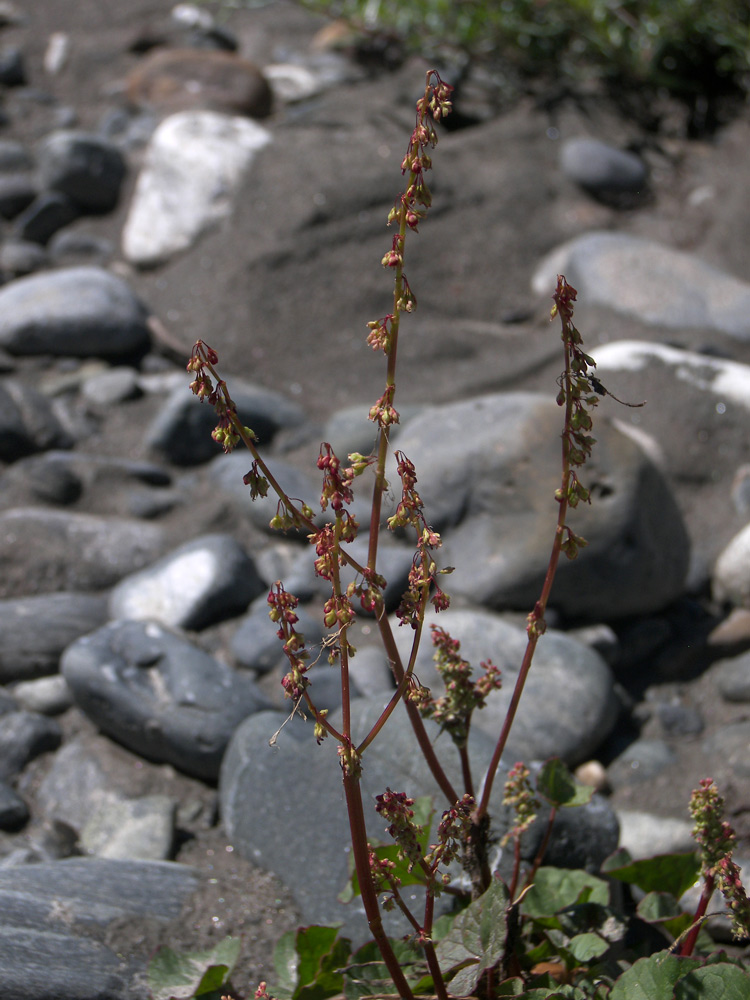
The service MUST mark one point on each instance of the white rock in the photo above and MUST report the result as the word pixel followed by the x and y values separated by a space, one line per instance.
pixel 731 577
pixel 193 167
pixel 643 835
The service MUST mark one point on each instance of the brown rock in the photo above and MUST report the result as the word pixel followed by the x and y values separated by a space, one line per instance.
pixel 188 79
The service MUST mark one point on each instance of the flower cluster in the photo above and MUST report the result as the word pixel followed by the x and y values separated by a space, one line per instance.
pixel 228 431
pixel 463 694
pixel 519 796
pixel 717 840
pixel 384 878
pixel 575 393
pixel 395 807
pixel 282 607
pixel 452 831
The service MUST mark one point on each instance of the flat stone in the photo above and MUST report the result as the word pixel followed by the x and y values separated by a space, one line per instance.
pixel 192 170
pixel 27 422
pixel 645 835
pixel 496 511
pixel 601 168
pixel 641 761
pixel 571 725
pixel 50 550
pixel 37 629
pixel 159 695
pixel 77 311
pixel 181 79
pixel 200 583
pixel 658 285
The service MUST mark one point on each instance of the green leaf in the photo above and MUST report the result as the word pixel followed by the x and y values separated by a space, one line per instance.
pixel 321 955
pixel 368 975
pixel 557 785
pixel 652 978
pixel 584 947
pixel 181 975
pixel 663 909
pixel 673 873
pixel 285 960
pixel 556 889
pixel 714 982
pixel 476 942
pixel 510 987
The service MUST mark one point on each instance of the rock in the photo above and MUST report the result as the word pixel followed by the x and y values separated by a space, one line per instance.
pixel 131 829
pixel 496 512
pixel 644 835
pixel 181 431
pixel 14 156
pixel 680 720
pixel 23 736
pixel 17 192
pixel 732 635
pixel 82 166
pixel 732 678
pixel 192 170
pixel 57 912
pixel 112 387
pixel 71 248
pixel 47 213
pixel 276 831
pixel 21 257
pixel 159 695
pixel 600 168
pixel 571 725
pixel 46 695
pixel 198 584
pixel 642 760
pixel 12 68
pixel 658 285
pixel 77 311
pixel 256 645
pixel 290 82
pixel 730 745
pixel 14 812
pixel 186 79
pixel 49 550
pixel 227 472
pixel 27 422
pixel 37 629
pixel 731 575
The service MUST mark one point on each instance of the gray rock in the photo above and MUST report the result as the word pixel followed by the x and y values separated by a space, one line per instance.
pixel 46 695
pixel 192 171
pixel 131 829
pixel 732 678
pixel 13 810
pixel 256 645
pixel 27 422
pixel 226 471
pixel 77 311
pixel 731 745
pixel 496 510
pixel 14 156
pixel 159 695
pixel 571 725
pixel 49 212
pixel 181 431
pixel 303 834
pixel 12 67
pixel 55 913
pixel 23 736
pixel 17 191
pixel 601 168
pixel 83 166
pixel 71 248
pixel 20 257
pixel 680 720
pixel 655 283
pixel 198 584
pixel 49 550
pixel 35 630
pixel 370 672
pixel 641 761
pixel 112 387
